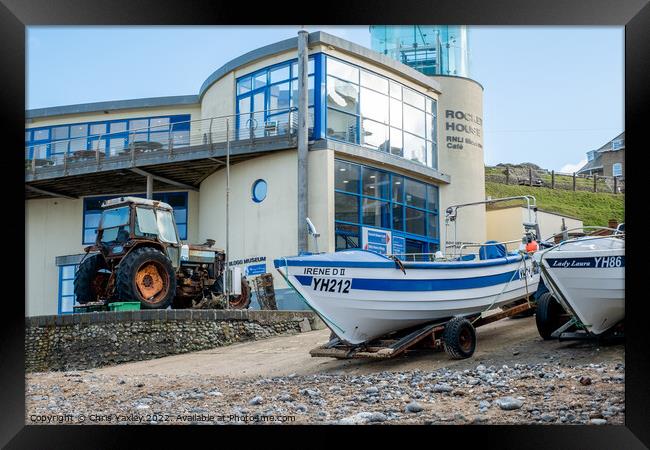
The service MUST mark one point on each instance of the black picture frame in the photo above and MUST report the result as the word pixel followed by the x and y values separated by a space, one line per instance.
pixel 15 15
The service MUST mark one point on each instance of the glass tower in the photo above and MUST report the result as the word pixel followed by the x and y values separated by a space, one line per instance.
pixel 430 49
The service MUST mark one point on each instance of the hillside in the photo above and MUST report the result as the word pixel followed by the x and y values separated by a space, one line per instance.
pixel 593 208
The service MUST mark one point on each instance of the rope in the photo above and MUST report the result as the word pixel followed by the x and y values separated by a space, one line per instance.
pixel 502 290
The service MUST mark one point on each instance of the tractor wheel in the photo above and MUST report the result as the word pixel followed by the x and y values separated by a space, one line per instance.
pixel 146 275
pixel 243 300
pixel 548 315
pixel 91 279
pixel 459 338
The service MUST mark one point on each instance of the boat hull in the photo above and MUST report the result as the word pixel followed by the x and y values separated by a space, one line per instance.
pixel 589 281
pixel 361 300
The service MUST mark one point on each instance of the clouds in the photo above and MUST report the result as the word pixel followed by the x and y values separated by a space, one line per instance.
pixel 570 168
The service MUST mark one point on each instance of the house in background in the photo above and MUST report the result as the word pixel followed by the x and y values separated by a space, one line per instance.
pixel 608 160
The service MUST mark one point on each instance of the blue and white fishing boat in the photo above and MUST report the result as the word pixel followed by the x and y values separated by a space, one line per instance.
pixel 362 295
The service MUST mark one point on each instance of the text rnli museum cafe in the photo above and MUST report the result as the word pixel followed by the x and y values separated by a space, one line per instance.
pixel 376 176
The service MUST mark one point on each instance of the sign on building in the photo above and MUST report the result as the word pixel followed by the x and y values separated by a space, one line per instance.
pixel 399 245
pixel 376 240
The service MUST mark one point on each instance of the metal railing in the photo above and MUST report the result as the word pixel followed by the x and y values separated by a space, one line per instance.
pixel 161 139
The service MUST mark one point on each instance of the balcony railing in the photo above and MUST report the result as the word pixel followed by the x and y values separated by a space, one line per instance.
pixel 140 143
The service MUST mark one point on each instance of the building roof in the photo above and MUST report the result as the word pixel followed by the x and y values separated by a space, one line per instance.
pixel 317 37
pixel 608 147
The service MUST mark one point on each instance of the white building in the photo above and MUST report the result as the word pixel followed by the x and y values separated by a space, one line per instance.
pixel 389 149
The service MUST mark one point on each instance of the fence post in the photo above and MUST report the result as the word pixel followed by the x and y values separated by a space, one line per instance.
pixel 530 176
pixel 595 180
pixel 574 181
pixel 507 176
pixel 552 179
pixel 615 185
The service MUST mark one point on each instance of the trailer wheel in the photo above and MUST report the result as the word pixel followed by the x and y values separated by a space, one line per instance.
pixel 548 315
pixel 91 279
pixel 146 275
pixel 459 338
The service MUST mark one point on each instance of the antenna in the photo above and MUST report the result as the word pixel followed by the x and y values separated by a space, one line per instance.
pixel 313 232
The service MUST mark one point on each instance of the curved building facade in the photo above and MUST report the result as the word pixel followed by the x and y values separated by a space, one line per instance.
pixel 389 149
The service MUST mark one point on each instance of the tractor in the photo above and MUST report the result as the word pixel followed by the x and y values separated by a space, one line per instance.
pixel 137 256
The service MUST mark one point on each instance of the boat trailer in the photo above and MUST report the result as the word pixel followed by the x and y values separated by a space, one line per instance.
pixel 431 336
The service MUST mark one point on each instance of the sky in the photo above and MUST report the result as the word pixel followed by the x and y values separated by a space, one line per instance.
pixel 550 93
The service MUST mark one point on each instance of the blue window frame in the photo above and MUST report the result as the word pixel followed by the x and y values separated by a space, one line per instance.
pixel 265 97
pixel 93 211
pixel 367 109
pixel 110 136
pixel 365 196
pixel 67 299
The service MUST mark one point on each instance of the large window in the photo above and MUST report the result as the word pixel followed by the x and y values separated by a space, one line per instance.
pixel 265 97
pixel 66 289
pixel 93 212
pixel 365 196
pixel 367 109
pixel 110 137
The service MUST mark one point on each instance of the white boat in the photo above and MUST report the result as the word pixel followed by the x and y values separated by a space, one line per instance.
pixel 362 295
pixel 587 277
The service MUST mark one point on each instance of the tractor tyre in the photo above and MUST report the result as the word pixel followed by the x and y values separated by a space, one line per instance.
pixel 91 279
pixel 243 300
pixel 146 275
pixel 548 315
pixel 459 338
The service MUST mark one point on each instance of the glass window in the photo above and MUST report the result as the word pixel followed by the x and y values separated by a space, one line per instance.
pixel 341 126
pixel 375 82
pixel 346 207
pixel 431 127
pixel 414 121
pixel 259 191
pixel 160 124
pixel 310 68
pixel 342 70
pixel 162 137
pixel 115 217
pixel 432 154
pixel 280 96
pixel 413 98
pixel 78 144
pixel 347 236
pixel 374 135
pixel 116 145
pixel 432 225
pixel 617 170
pixel 181 138
pixel 375 183
pixel 396 141
pixel 40 151
pixel 60 133
pixel 398 217
pixel 415 221
pixel 416 193
pixel 374 105
pixel 310 91
pixel 375 213
pixel 78 130
pixel 97 144
pixel 40 135
pixel 27 135
pixel 244 85
pixel 166 229
pixel 414 148
pixel 60 147
pixel 395 113
pixel 428 105
pixel 280 74
pixel 146 221
pixel 432 198
pixel 346 176
pixel 138 124
pixel 118 127
pixel 342 95
pixel 396 90
pixel 139 137
pixel 97 128
pixel 259 80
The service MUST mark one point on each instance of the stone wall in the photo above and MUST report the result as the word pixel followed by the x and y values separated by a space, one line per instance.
pixel 84 341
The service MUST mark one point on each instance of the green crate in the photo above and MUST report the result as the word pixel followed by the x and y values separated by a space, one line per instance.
pixel 124 306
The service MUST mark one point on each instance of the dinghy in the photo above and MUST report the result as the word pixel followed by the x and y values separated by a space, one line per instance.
pixel 587 277
pixel 362 295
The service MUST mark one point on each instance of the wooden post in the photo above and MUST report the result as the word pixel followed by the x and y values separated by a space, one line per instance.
pixel 552 179
pixel 507 176
pixel 615 185
pixel 595 180
pixel 574 181
pixel 530 176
